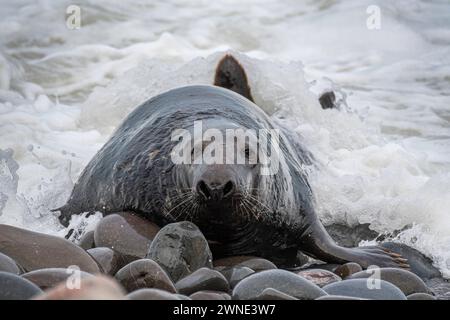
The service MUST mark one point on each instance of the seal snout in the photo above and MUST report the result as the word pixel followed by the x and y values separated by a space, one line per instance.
pixel 215 191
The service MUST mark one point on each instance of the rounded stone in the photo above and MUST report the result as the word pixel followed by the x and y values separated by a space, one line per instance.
pixel 9 265
pixel 334 297
pixel 125 233
pixel 144 273
pixel 235 274
pixel 257 264
pixel 180 248
pixel 362 288
pixel 152 294
pixel 50 277
pixel 210 295
pixel 281 280
pixel 420 296
pixel 406 281
pixel 202 279
pixel 90 288
pixel 319 277
pixel 273 294
pixel 109 260
pixel 347 269
pixel 34 251
pixel 87 241
pixel 13 287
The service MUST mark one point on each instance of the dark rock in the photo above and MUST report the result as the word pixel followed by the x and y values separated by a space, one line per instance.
pixel 232 261
pixel 420 296
pixel 50 277
pixel 360 288
pixel 202 279
pixel 257 264
pixel 35 251
pixel 91 288
pixel 87 241
pixel 350 236
pixel 406 281
pixel 347 269
pixel 236 274
pixel 144 273
pixel 273 294
pixel 418 263
pixel 333 297
pixel 152 294
pixel 319 277
pixel 327 100
pixel 109 260
pixel 13 287
pixel 9 265
pixel 281 280
pixel 125 233
pixel 210 295
pixel 180 248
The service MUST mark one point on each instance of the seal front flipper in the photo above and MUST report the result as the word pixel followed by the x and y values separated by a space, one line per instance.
pixel 231 75
pixel 317 243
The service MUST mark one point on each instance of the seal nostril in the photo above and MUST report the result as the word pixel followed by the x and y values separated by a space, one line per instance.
pixel 228 189
pixel 203 189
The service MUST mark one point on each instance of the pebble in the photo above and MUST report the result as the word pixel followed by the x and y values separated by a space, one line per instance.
pixel 334 297
pixel 34 251
pixel 92 288
pixel 50 277
pixel 87 241
pixel 202 279
pixel 125 233
pixel 235 274
pixel 180 248
pixel 359 288
pixel 281 280
pixel 14 287
pixel 152 294
pixel 9 265
pixel 420 296
pixel 347 269
pixel 406 281
pixel 257 264
pixel 144 273
pixel 109 260
pixel 274 294
pixel 319 277
pixel 210 295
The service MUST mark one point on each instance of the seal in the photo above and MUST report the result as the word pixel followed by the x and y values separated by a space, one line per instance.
pixel 242 208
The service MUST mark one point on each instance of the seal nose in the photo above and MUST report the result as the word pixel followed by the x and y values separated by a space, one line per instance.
pixel 215 192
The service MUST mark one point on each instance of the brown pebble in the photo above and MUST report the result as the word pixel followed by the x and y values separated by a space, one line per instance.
pixel 347 269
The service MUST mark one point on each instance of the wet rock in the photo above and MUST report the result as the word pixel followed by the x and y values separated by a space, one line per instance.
pixel 87 241
pixel 235 274
pixel 35 251
pixel 257 264
pixel 13 287
pixel 9 265
pixel 406 281
pixel 109 260
pixel 418 263
pixel 319 277
pixel 144 273
pixel 50 277
pixel 152 294
pixel 231 261
pixel 91 288
pixel 333 297
pixel 347 269
pixel 360 288
pixel 210 295
pixel 281 280
pixel 202 279
pixel 273 294
pixel 125 233
pixel 180 248
pixel 420 296
pixel 350 236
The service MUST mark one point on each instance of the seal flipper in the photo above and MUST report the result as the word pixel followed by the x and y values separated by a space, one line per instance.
pixel 231 75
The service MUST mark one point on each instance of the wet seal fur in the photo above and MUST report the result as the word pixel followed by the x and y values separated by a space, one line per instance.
pixel 239 211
